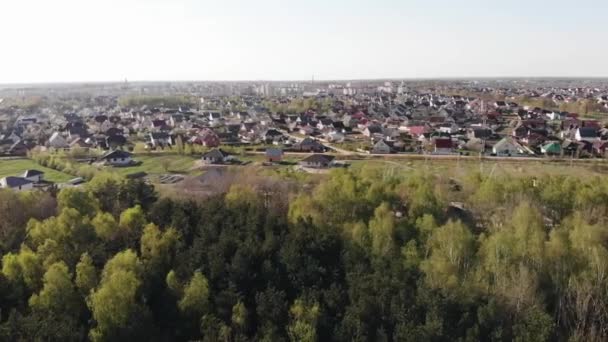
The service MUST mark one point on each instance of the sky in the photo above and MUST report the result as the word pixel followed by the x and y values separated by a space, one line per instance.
pixel 153 40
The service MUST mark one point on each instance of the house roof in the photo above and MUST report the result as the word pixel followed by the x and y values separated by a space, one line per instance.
pixel 588 132
pixel 32 173
pixel 553 147
pixel 374 129
pixel 215 154
pixel 309 141
pixel 318 159
pixel 417 130
pixel 15 182
pixel 116 154
pixel 481 132
pixel 272 132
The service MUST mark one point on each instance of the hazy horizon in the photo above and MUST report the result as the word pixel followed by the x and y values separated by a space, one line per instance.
pixel 71 41
pixel 406 79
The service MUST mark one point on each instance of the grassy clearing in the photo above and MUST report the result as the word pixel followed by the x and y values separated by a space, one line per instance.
pixel 16 167
pixel 160 164
pixel 457 169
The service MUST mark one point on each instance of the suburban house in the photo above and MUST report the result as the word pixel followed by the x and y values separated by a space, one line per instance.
pixel 33 176
pixel 417 130
pixel 18 149
pixel 553 148
pixel 216 156
pixel 117 158
pixel 371 130
pixel 207 138
pixel 500 104
pixel 309 145
pixel 214 116
pixel 57 141
pixel 115 141
pixel 271 135
pixel 160 139
pixel 479 133
pixel 16 183
pixel 318 161
pixel 448 128
pixel 274 155
pixel 587 134
pixel 381 147
pixel 442 145
pixel 507 147
pixel 335 137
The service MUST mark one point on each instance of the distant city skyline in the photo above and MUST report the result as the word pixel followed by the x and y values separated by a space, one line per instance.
pixel 272 40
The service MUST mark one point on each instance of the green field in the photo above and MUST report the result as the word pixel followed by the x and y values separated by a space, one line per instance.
pixel 160 164
pixel 16 167
pixel 457 169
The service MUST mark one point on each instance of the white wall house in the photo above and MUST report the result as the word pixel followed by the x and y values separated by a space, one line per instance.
pixel 16 183
pixel 33 176
pixel 118 158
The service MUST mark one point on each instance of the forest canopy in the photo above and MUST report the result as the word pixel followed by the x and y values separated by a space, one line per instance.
pixel 363 256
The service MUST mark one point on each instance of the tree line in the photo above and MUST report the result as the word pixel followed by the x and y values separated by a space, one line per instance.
pixel 364 255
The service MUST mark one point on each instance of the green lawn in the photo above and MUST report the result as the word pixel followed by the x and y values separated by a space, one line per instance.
pixel 155 164
pixel 16 167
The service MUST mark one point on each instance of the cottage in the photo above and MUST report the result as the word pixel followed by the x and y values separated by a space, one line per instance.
pixel 34 176
pixel 381 147
pixel 309 145
pixel 442 146
pixel 274 155
pixel 500 104
pixel 507 147
pixel 417 130
pixel 57 141
pixel 214 116
pixel 115 141
pixel 271 135
pixel 318 161
pixel 158 124
pixel 16 183
pixel 160 139
pixel 18 149
pixel 449 128
pixel 479 133
pixel 589 134
pixel 335 137
pixel 207 138
pixel 371 130
pixel 117 158
pixel 216 156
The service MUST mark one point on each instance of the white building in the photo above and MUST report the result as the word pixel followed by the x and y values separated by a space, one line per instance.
pixel 118 158
pixel 16 183
pixel 33 176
